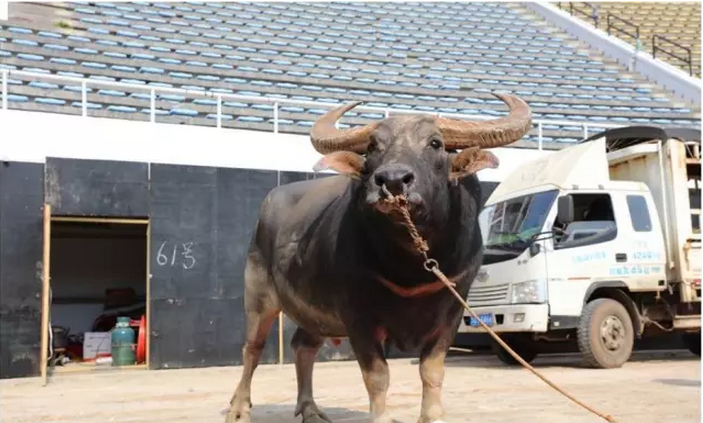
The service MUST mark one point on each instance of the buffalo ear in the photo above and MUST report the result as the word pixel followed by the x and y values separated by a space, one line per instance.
pixel 470 161
pixel 344 162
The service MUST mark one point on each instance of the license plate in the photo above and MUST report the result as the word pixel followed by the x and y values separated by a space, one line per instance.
pixel 486 318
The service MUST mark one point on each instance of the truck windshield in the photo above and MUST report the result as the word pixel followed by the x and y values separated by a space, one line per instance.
pixel 507 226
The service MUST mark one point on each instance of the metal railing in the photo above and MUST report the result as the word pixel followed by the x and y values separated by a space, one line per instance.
pixel 688 60
pixel 276 102
pixel 622 26
pixel 613 23
pixel 591 12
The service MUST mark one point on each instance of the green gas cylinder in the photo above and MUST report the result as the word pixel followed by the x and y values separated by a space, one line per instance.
pixel 123 343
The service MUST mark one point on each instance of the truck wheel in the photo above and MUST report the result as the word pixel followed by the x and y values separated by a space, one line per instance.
pixel 521 347
pixel 693 342
pixel 605 334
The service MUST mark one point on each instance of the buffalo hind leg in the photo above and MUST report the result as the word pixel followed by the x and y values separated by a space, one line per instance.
pixel 375 373
pixel 260 315
pixel 258 327
pixel 305 347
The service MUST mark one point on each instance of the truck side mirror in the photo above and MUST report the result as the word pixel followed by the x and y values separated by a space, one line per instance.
pixel 565 209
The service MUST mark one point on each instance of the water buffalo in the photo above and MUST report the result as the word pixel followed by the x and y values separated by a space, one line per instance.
pixel 339 262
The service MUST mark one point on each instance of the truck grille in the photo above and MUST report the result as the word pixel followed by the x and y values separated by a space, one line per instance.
pixel 488 295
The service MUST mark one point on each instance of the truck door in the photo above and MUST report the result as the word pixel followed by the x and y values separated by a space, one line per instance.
pixel 583 251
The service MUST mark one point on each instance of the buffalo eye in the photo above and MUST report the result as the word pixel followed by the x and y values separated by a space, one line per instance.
pixel 436 144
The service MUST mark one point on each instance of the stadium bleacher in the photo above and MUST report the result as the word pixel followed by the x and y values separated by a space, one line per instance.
pixel 676 21
pixel 428 57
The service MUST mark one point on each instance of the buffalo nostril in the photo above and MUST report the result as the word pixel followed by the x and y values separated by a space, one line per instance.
pixel 394 178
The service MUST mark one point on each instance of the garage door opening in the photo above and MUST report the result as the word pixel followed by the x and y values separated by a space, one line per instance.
pixel 98 294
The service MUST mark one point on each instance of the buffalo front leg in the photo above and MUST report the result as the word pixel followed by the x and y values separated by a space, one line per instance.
pixel 305 347
pixel 374 371
pixel 432 375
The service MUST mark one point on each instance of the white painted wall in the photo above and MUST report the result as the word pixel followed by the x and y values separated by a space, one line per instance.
pixel 33 136
pixel 678 82
pixel 4 10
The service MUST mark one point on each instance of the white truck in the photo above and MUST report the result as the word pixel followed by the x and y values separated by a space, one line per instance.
pixel 593 246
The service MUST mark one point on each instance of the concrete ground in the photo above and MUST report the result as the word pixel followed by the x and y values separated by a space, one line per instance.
pixel 654 387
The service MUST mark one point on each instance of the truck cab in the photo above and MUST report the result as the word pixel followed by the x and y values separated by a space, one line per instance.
pixel 591 246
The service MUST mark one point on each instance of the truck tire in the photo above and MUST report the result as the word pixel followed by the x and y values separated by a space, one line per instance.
pixel 693 342
pixel 605 334
pixel 522 347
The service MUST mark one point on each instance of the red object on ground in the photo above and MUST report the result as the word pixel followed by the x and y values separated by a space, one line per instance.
pixel 141 341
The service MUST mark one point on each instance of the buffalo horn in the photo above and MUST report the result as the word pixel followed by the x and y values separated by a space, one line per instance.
pixel 460 134
pixel 457 134
pixel 327 139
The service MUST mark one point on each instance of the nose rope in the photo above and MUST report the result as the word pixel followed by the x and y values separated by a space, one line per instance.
pixel 401 204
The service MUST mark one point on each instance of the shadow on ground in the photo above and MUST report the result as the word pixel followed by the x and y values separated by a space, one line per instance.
pixel 567 360
pixel 277 413
pixel 680 382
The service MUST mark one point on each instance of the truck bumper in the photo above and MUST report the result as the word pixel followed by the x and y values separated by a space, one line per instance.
pixel 509 318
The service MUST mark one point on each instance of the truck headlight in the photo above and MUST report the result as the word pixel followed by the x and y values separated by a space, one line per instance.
pixel 528 292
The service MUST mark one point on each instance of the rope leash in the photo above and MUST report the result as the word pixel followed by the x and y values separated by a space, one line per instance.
pixel 432 266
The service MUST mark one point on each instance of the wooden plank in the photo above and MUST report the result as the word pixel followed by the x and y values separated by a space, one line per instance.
pixel 45 293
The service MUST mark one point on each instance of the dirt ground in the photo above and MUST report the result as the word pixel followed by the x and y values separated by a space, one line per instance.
pixel 654 387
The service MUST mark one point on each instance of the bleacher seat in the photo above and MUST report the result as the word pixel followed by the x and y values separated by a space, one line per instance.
pixel 450 54
pixel 678 22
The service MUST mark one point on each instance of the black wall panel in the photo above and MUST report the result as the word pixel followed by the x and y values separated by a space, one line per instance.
pixel 97 187
pixel 21 232
pixel 202 219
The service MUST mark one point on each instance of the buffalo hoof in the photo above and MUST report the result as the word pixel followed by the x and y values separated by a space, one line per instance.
pixel 317 418
pixel 426 420
pixel 312 414
pixel 384 418
pixel 234 416
pixel 238 412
